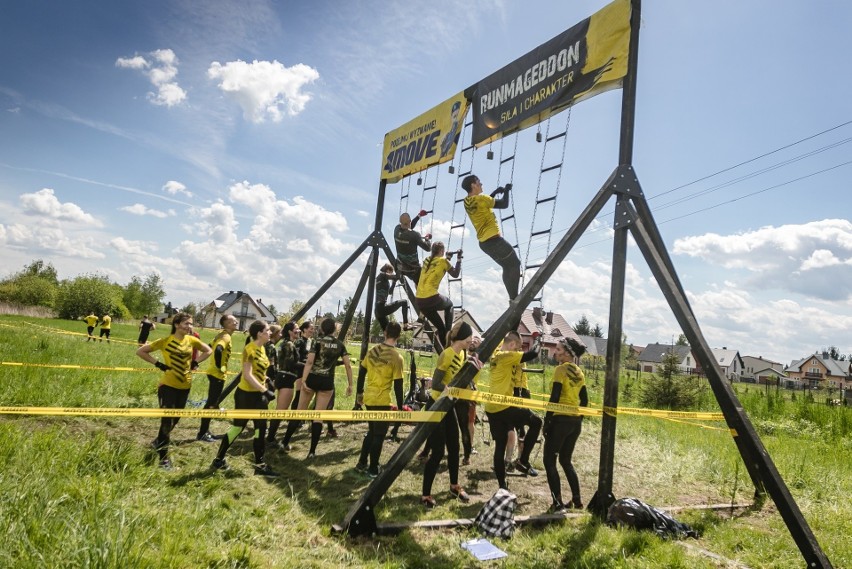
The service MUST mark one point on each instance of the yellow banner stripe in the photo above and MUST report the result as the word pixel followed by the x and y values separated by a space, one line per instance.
pixel 386 416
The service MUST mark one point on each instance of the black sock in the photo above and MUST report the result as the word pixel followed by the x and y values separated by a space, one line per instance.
pixel 316 431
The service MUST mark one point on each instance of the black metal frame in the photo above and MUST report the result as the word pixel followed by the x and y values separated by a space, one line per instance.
pixel 633 215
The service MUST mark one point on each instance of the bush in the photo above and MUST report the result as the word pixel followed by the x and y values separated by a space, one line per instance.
pixel 670 390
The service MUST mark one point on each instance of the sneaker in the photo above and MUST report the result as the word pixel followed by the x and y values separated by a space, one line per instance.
pixel 206 437
pixel 428 502
pixel 466 461
pixel 373 474
pixel 423 458
pixel 331 433
pixel 458 492
pixel 166 464
pixel 575 504
pixel 361 467
pixel 510 466
pixel 218 437
pixel 557 508
pixel 407 327
pixel 219 464
pixel 264 470
pixel 525 468
pixel 281 445
pixel 311 455
pixel 474 451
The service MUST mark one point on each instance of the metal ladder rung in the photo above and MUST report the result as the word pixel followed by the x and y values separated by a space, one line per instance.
pixel 405 197
pixel 451 280
pixel 456 226
pixel 466 148
pixel 459 200
pixel 555 136
pixel 533 266
pixel 463 174
pixel 429 188
pixel 542 232
pixel 545 200
pixel 459 306
pixel 504 160
pixel 507 218
pixel 536 299
pixel 549 168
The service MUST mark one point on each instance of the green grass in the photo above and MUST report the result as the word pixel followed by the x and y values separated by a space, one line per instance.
pixel 84 492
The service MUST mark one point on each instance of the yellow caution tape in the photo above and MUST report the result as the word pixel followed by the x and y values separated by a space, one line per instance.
pixel 470 395
pixel 386 416
pixel 76 366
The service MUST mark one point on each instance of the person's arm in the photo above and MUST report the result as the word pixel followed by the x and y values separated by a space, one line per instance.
pixel 205 351
pixel 456 271
pixel 438 380
pixel 584 397
pixel 348 366
pixel 217 357
pixel 555 394
pixel 530 355
pixel 359 390
pixel 397 391
pixel 144 352
pixel 308 365
pixel 503 202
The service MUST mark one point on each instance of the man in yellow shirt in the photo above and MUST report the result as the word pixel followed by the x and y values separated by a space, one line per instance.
pixel 106 325
pixel 479 208
pixel 91 322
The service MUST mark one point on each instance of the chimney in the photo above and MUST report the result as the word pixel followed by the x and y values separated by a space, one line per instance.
pixel 537 314
pixel 549 317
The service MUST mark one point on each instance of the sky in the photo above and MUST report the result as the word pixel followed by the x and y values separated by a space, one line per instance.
pixel 237 146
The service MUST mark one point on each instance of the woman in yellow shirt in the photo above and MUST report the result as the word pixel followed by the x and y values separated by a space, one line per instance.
pixel 177 366
pixel 446 433
pixel 251 393
pixel 561 430
pixel 428 301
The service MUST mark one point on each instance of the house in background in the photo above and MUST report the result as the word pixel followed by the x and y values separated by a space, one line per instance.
pixel 421 340
pixel 552 327
pixel 820 371
pixel 730 363
pixel 754 365
pixel 240 305
pixel 651 358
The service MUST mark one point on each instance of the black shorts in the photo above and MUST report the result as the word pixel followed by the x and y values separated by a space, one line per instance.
pixel 249 400
pixel 319 382
pixel 90 329
pixel 105 332
pixel 285 380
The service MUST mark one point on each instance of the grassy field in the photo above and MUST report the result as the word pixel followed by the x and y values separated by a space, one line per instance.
pixel 85 492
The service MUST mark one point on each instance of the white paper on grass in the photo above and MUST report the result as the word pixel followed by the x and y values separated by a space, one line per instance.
pixel 483 549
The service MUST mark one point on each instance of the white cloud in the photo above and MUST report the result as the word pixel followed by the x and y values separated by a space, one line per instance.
pixel 814 259
pixel 44 203
pixel 139 209
pixel 173 188
pixel 264 89
pixel 160 67
pixel 49 241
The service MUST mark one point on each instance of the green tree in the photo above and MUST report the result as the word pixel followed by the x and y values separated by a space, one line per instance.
pixel 91 293
pixel 682 341
pixel 295 307
pixel 668 389
pixel 597 332
pixel 36 285
pixel 582 327
pixel 143 297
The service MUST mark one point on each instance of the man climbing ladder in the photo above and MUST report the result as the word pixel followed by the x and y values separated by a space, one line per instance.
pixel 479 209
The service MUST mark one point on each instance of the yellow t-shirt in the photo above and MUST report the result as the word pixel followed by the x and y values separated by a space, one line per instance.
pixel 259 362
pixel 91 320
pixel 480 210
pixel 434 269
pixel 106 322
pixel 222 339
pixel 177 354
pixel 450 362
pixel 505 368
pixel 572 379
pixel 384 365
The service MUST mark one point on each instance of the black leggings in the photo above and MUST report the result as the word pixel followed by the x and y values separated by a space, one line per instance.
pixel 383 310
pixel 169 398
pixel 445 435
pixel 462 409
pixel 563 436
pixel 430 307
pixel 214 391
pixel 500 424
pixel 374 439
pixel 247 400
pixel 504 254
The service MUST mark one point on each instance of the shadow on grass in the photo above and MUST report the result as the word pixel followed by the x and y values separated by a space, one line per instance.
pixel 576 543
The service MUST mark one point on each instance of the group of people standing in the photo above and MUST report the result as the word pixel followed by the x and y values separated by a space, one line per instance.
pixel 92 321
pixel 302 369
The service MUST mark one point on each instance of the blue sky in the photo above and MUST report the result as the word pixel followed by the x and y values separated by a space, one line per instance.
pixel 238 146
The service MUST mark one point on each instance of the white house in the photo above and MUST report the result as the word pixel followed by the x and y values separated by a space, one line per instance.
pixel 239 304
pixel 651 358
